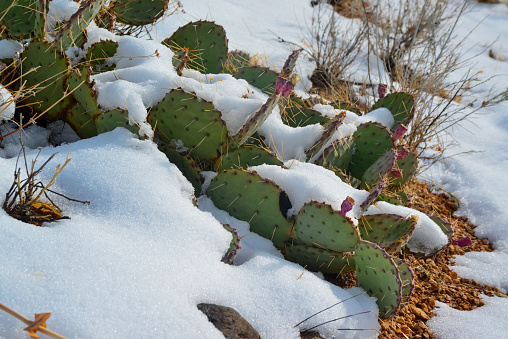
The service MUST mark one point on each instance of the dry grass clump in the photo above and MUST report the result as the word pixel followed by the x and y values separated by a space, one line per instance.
pixel 413 43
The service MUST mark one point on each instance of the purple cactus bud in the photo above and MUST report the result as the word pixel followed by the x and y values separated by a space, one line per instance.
pixel 399 132
pixel 381 90
pixel 396 173
pixel 346 206
pixel 462 242
pixel 283 87
pixel 402 152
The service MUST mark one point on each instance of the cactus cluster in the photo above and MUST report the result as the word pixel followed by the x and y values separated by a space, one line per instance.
pixel 319 237
pixel 56 88
pixel 192 133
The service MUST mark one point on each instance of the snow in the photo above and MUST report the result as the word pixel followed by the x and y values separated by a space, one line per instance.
pixel 141 256
pixel 488 321
pixel 135 263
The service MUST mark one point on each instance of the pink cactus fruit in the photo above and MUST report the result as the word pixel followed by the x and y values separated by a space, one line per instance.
pixel 396 173
pixel 399 132
pixel 402 152
pixel 381 90
pixel 283 87
pixel 346 206
pixel 462 242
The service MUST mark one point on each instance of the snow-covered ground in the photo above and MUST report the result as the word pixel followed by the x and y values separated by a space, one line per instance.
pixel 137 260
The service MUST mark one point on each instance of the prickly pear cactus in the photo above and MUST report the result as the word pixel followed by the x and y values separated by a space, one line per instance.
pixel 183 116
pixel 338 155
pixel 244 157
pixel 378 274
pixel 19 18
pixel 407 275
pixel 303 116
pixel 206 44
pixel 234 246
pixel 82 115
pixel 45 71
pixel 372 141
pixel 139 12
pixel 330 129
pixel 320 259
pixel 317 224
pixel 252 125
pixel 72 32
pixel 110 120
pixel 408 166
pixel 401 105
pixel 379 169
pixel 259 77
pixel 99 55
pixel 247 196
pixel 386 230
pixel 235 61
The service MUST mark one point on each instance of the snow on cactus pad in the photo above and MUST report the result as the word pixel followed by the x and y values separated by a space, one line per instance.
pixel 378 274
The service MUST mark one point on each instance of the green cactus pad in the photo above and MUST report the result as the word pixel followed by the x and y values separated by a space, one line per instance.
pixel 79 84
pixel 19 18
pixel 409 167
pixel 374 193
pixel 372 140
pixel 379 169
pixel 378 275
pixel 318 225
pixel 81 116
pixel 110 120
pixel 400 105
pixel 260 202
pixel 235 61
pixel 252 125
pixel 259 77
pixel 318 259
pixel 206 42
pixel 139 12
pixel 72 32
pixel 303 116
pixel 99 53
pixel 330 129
pixel 244 157
pixel 183 116
pixel 180 60
pixel 290 63
pixel 338 155
pixel 48 80
pixel 344 106
pixel 407 277
pixel 234 245
pixel 256 140
pixel 396 198
pixel 186 165
pixel 386 230
pixel 81 122
pixel 40 19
